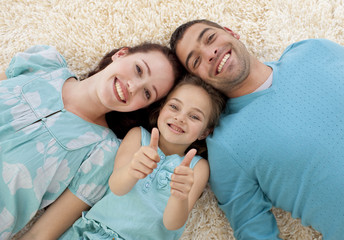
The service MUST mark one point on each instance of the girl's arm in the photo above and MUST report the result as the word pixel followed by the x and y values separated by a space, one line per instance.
pixel 133 161
pixel 187 186
pixel 58 217
pixel 2 76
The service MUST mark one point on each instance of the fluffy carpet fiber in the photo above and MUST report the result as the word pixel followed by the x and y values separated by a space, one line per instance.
pixel 83 31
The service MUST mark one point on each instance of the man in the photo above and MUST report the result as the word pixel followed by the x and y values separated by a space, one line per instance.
pixel 280 141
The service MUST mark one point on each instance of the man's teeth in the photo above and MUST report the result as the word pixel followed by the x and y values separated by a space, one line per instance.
pixel 119 91
pixel 224 60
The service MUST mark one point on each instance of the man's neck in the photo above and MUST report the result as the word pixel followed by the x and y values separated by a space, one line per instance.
pixel 259 73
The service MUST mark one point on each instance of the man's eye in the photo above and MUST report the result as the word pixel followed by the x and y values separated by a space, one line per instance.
pixel 196 62
pixel 147 94
pixel 211 37
pixel 139 70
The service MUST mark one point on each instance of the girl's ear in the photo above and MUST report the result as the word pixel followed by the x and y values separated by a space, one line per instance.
pixel 120 53
pixel 205 134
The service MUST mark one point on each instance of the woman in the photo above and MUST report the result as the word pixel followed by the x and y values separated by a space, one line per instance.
pixel 53 129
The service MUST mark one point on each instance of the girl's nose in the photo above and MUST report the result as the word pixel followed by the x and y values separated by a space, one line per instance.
pixel 180 118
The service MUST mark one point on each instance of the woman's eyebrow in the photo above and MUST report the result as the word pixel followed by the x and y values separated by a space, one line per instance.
pixel 149 71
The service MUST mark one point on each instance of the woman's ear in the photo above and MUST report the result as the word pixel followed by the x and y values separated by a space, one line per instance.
pixel 205 134
pixel 120 53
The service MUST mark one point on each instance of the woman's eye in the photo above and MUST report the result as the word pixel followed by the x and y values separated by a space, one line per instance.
pixel 147 94
pixel 139 70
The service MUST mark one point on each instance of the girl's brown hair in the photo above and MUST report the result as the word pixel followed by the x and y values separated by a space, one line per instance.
pixel 218 101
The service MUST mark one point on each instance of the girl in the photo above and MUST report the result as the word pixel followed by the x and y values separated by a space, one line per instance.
pixel 53 129
pixel 156 178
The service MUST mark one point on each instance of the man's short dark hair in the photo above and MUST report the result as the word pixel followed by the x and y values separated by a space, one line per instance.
pixel 179 32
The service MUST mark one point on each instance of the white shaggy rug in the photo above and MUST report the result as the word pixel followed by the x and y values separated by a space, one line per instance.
pixel 83 31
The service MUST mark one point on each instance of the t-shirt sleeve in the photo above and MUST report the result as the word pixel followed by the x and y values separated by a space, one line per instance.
pixel 91 181
pixel 239 196
pixel 38 58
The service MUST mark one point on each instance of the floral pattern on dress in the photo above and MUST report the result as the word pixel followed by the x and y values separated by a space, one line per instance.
pixel 45 149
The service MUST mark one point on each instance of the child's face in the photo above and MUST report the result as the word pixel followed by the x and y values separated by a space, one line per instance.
pixel 185 115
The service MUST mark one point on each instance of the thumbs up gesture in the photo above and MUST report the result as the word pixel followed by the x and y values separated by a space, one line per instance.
pixel 182 179
pixel 145 160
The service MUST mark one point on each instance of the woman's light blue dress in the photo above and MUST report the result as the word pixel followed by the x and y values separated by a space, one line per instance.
pixel 136 215
pixel 43 148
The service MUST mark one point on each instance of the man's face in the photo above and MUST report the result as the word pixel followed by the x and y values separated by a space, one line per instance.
pixel 216 55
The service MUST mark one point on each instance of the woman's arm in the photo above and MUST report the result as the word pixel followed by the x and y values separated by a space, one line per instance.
pixel 59 216
pixel 187 186
pixel 3 76
pixel 133 161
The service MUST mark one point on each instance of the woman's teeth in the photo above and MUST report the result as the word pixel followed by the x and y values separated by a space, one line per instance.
pixel 224 60
pixel 119 91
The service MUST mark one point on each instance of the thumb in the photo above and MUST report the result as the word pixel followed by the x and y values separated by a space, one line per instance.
pixel 154 139
pixel 188 157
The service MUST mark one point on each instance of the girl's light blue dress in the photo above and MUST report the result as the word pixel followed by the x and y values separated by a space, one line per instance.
pixel 136 215
pixel 43 148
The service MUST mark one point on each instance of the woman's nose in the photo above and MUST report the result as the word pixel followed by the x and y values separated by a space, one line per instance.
pixel 134 85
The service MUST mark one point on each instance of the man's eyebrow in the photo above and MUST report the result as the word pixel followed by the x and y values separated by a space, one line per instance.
pixel 191 53
pixel 149 71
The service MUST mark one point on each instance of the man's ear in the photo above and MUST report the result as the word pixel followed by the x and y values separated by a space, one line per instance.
pixel 237 36
pixel 120 53
pixel 205 134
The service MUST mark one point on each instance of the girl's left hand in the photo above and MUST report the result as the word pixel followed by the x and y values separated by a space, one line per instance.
pixel 182 179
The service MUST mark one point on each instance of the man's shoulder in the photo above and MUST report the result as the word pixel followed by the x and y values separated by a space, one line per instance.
pixel 311 44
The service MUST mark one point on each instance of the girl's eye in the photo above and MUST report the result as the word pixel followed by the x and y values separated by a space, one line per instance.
pixel 147 94
pixel 138 70
pixel 194 117
pixel 174 107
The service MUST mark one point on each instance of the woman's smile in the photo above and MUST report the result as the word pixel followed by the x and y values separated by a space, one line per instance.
pixel 120 91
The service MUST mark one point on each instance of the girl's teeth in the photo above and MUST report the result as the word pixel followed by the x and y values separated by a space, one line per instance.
pixel 224 60
pixel 176 128
pixel 119 91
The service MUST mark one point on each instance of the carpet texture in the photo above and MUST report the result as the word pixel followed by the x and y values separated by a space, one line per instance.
pixel 83 31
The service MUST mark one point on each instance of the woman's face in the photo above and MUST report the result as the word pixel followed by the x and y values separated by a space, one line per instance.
pixel 134 81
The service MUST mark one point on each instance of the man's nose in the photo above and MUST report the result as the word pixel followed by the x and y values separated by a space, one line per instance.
pixel 210 54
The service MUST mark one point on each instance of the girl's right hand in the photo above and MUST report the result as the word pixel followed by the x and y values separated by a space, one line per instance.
pixel 146 159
